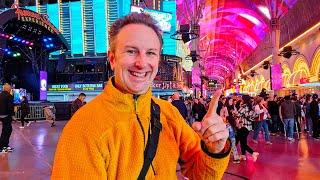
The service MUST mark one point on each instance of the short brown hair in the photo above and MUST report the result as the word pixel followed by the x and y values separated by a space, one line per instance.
pixel 133 18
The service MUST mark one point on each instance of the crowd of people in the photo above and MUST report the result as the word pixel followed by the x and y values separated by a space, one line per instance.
pixel 267 114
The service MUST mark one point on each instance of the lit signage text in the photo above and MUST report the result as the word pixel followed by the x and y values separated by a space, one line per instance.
pixel 76 87
pixel 167 85
pixel 29 16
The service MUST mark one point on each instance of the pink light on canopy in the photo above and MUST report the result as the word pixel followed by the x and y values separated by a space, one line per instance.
pixel 229 30
pixel 276 77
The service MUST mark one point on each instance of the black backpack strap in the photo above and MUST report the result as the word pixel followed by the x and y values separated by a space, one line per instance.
pixel 153 139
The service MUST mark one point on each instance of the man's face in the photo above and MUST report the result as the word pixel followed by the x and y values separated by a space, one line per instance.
pixel 136 58
pixel 82 98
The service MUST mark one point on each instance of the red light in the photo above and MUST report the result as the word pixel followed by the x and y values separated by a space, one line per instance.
pixel 31 44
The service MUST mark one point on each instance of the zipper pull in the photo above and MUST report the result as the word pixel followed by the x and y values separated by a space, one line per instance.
pixel 135 98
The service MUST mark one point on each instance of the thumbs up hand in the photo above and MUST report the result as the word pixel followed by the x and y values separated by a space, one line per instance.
pixel 212 130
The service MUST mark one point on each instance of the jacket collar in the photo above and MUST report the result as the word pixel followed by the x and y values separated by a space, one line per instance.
pixel 126 101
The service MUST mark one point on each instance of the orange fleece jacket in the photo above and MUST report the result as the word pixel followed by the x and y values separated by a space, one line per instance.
pixel 103 140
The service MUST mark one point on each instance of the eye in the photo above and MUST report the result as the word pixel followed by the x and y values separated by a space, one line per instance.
pixel 151 53
pixel 131 51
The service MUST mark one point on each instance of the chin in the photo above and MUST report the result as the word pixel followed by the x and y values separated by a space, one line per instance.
pixel 139 92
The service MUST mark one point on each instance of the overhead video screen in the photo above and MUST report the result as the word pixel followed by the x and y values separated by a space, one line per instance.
pixel 163 18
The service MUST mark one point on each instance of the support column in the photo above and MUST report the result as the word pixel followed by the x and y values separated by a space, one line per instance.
pixel 275 65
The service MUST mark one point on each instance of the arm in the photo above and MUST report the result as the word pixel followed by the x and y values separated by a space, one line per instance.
pixel 280 113
pixel 10 105
pixel 196 162
pixel 206 158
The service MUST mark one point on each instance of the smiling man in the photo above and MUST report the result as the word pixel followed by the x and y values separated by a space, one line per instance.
pixel 126 133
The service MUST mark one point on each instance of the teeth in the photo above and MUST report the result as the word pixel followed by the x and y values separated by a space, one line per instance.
pixel 138 74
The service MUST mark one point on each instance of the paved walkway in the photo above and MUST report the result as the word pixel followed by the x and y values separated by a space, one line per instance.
pixel 35 146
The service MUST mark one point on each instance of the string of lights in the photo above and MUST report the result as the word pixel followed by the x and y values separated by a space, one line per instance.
pixel 15 38
pixel 9 52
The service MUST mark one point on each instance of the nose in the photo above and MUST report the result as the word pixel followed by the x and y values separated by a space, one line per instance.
pixel 141 60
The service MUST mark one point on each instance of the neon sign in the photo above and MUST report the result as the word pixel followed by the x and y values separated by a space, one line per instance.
pixel 76 87
pixel 167 85
pixel 29 16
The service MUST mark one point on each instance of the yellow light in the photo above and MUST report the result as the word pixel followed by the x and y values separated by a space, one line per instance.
pixel 289 43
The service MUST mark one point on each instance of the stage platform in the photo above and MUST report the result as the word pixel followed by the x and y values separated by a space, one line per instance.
pixel 35 146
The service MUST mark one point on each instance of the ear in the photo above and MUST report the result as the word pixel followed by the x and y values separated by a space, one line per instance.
pixel 112 59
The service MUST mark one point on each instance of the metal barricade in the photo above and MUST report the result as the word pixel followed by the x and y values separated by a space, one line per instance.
pixel 36 111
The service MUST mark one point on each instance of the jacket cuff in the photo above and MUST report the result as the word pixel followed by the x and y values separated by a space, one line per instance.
pixel 224 153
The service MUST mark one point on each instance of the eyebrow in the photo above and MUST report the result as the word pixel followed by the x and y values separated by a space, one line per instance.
pixel 133 47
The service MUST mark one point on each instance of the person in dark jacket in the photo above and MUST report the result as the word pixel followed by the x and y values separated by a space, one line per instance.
pixel 24 108
pixel 314 113
pixel 6 114
pixel 273 109
pixel 78 103
pixel 297 116
pixel 287 111
pixel 179 104
pixel 221 103
pixel 198 110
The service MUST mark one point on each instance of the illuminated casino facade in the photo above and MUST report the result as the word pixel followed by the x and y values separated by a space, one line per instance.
pixel 84 25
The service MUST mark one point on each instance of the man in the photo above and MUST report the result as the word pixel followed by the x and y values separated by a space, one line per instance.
pixel 78 103
pixel 179 104
pixel 315 116
pixel 6 113
pixel 198 110
pixel 273 109
pixel 287 111
pixel 111 137
pixel 297 116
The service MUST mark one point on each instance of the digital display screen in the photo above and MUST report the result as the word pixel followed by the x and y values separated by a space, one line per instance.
pixel 163 18
pixel 43 85
pixel 76 87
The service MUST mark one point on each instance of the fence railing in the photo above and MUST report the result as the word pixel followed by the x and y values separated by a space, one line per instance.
pixel 36 111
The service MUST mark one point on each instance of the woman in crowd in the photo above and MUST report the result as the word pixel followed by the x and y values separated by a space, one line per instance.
pixel 261 120
pixel 231 113
pixel 244 125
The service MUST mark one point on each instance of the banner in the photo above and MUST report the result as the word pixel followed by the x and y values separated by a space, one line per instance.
pixel 76 87
pixel 276 74
pixel 43 85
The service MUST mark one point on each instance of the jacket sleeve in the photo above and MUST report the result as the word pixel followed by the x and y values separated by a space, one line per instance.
pixel 79 155
pixel 11 105
pixel 195 162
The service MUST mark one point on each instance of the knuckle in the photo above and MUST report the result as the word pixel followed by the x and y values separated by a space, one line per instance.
pixel 213 138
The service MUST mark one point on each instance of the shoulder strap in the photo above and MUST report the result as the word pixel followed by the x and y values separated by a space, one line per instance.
pixel 153 139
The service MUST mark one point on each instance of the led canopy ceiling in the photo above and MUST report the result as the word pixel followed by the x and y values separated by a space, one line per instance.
pixel 229 29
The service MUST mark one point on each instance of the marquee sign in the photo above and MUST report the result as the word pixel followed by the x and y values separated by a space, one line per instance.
pixel 76 87
pixel 167 85
pixel 29 16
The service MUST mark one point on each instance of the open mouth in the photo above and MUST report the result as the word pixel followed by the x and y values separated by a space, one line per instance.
pixel 138 74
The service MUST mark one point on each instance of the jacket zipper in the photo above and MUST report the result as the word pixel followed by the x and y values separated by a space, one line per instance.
pixel 135 97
